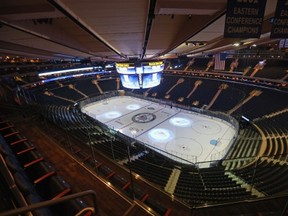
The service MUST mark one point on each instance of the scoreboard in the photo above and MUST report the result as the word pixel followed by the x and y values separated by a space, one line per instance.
pixel 136 75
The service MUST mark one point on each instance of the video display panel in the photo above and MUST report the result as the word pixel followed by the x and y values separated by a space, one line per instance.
pixel 151 80
pixel 130 81
pixel 140 74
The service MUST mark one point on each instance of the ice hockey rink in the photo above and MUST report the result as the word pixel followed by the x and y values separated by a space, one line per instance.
pixel 182 135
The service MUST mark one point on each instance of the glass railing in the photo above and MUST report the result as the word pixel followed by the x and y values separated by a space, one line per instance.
pixel 179 157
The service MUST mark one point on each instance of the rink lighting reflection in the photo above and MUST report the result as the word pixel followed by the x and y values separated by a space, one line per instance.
pixel 112 114
pixel 133 107
pixel 180 122
pixel 160 135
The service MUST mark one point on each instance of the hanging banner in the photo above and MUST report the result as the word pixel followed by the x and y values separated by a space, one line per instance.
pixel 280 20
pixel 244 18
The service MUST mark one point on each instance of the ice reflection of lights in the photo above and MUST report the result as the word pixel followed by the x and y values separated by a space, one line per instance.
pixel 180 122
pixel 133 133
pixel 133 106
pixel 112 114
pixel 160 135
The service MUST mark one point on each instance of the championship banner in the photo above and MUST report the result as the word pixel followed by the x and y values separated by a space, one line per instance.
pixel 280 20
pixel 244 18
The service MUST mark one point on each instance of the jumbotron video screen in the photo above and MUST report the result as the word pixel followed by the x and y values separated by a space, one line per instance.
pixel 141 74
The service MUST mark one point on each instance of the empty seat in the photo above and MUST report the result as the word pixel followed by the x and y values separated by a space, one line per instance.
pixel 34 198
pixel 30 158
pixel 53 187
pixel 24 184
pixel 39 171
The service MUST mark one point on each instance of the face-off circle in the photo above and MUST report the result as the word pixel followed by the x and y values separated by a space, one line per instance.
pixel 185 147
pixel 206 127
pixel 143 117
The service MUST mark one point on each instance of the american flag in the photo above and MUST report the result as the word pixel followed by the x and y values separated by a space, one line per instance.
pixel 220 61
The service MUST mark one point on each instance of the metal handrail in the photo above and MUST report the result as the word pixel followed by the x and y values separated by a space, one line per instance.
pixel 54 202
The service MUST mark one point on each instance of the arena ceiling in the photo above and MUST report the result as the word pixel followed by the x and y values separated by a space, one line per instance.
pixel 116 30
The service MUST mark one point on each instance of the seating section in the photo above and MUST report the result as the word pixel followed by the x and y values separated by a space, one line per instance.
pixel 148 164
pixel 200 64
pixel 6 197
pixel 194 186
pixel 169 90
pixel 276 148
pixel 208 185
pixel 274 125
pixel 87 131
pixel 23 68
pixel 36 177
pixel 86 86
pixel 273 69
pixel 227 99
pixel 108 84
pixel 212 186
pixel 67 92
pixel 160 90
pixel 267 176
pixel 247 144
pixel 152 167
pixel 268 102
pixel 117 149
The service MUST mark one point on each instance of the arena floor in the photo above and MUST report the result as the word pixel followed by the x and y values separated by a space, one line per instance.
pixel 181 135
